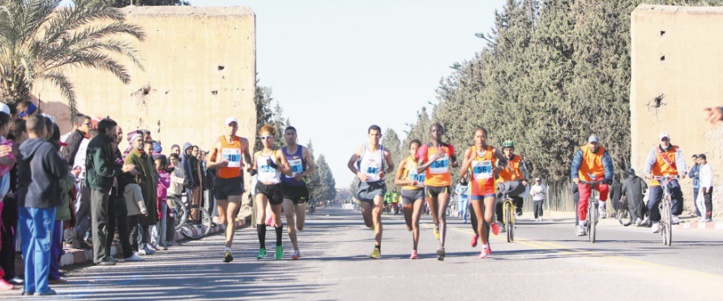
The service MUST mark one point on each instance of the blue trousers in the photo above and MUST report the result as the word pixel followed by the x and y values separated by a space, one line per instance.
pixel 656 195
pixel 56 251
pixel 36 235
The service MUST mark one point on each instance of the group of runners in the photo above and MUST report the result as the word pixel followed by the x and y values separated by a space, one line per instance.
pixel 278 182
pixel 425 175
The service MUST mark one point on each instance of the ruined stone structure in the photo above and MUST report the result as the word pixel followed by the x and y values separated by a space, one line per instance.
pixel 676 67
pixel 199 66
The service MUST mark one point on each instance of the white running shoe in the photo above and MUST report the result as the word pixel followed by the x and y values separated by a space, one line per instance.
pixel 581 230
pixel 675 220
pixel 655 228
pixel 134 257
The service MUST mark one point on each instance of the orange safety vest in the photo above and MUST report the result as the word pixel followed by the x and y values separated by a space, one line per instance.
pixel 482 169
pixel 591 164
pixel 231 151
pixel 512 171
pixel 661 166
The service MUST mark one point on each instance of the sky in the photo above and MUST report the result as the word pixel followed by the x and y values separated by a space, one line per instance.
pixel 337 67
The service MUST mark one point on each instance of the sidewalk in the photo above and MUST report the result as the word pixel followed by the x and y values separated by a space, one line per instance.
pixel 81 256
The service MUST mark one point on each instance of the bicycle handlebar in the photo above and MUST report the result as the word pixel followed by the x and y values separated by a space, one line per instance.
pixel 663 178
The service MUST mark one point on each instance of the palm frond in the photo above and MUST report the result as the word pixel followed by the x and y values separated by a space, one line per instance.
pixel 73 18
pixel 64 86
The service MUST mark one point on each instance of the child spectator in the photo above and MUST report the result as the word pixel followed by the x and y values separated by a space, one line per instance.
pixel 175 190
pixel 7 162
pixel 164 181
pixel 62 214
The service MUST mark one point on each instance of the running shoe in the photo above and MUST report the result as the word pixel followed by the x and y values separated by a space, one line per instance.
pixel 581 230
pixel 441 253
pixel 376 254
pixel 296 255
pixel 436 232
pixel 475 238
pixel 655 228
pixel 414 255
pixel 228 257
pixel 496 228
pixel 279 252
pixel 485 252
pixel 262 254
pixel 5 286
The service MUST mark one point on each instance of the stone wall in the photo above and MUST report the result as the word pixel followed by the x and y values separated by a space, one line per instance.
pixel 199 66
pixel 676 67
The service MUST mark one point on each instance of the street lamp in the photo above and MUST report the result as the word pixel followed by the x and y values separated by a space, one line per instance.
pixel 482 36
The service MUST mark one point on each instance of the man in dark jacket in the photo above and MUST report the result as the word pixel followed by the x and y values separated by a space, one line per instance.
pixel 68 152
pixel 40 168
pixel 100 173
pixel 633 189
pixel 616 190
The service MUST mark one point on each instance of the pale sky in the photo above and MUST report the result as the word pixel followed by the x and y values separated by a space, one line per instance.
pixel 337 67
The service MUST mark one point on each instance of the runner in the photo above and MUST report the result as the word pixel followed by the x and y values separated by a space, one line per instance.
pixel 412 184
pixel 434 158
pixel 270 163
pixel 480 159
pixel 368 164
pixel 296 194
pixel 226 159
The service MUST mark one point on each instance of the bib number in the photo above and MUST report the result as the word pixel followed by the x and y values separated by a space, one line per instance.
pixel 296 167
pixel 482 169
pixel 440 166
pixel 232 155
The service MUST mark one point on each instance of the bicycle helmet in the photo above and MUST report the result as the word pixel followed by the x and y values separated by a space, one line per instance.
pixel 508 144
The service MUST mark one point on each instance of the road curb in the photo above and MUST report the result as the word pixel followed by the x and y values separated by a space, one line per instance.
pixel 79 256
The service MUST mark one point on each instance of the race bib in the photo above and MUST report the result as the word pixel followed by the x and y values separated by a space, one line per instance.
pixel 232 155
pixel 414 176
pixel 371 170
pixel 440 166
pixel 482 169
pixel 296 167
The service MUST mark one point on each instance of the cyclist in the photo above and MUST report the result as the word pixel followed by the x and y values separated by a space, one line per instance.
pixel 294 188
pixel 434 159
pixel 591 163
pixel 666 160
pixel 480 160
pixel 368 164
pixel 512 179
pixel 412 193
pixel 226 157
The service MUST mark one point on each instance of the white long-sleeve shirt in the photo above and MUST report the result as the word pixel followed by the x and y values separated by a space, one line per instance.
pixel 706 176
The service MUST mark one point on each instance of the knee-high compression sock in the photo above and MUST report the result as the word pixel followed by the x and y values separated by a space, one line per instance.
pixel 278 234
pixel 261 230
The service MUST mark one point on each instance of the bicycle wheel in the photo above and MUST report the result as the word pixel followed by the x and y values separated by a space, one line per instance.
pixel 510 217
pixel 667 226
pixel 197 229
pixel 181 213
pixel 592 212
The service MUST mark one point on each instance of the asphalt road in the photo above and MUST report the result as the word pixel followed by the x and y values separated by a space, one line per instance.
pixel 546 262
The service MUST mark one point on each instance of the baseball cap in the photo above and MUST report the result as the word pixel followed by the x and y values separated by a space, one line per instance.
pixel 593 138
pixel 4 108
pixel 231 119
pixel 663 135
pixel 537 179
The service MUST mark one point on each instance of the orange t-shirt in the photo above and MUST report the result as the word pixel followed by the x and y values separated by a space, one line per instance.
pixel 438 174
pixel 482 169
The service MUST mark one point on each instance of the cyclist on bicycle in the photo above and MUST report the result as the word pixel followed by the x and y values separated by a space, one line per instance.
pixel 664 160
pixel 590 164
pixel 511 180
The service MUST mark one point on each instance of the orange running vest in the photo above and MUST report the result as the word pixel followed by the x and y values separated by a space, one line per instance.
pixel 231 151
pixel 482 168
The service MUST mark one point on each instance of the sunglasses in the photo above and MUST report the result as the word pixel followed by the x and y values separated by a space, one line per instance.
pixel 266 137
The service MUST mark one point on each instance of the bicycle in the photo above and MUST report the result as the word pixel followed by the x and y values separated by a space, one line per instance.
pixel 191 228
pixel 665 206
pixel 624 213
pixel 508 217
pixel 592 211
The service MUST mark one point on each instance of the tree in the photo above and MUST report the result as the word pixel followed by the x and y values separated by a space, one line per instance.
pixel 313 181
pixel 327 189
pixel 391 142
pixel 40 41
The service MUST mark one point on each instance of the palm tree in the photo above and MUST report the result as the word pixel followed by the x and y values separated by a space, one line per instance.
pixel 39 41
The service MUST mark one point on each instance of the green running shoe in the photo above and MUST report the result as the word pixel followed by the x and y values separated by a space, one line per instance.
pixel 262 254
pixel 279 252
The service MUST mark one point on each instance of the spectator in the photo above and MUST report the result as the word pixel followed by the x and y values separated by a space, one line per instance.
pixel 81 137
pixel 706 184
pixel 62 214
pixel 41 166
pixel 175 149
pixel 100 174
pixel 117 209
pixel 538 193
pixel 633 189
pixel 75 123
pixel 616 192
pixel 9 217
pixel 175 190
pixel 695 175
pixel 164 181
pixel 462 193
pixel 7 163
pixel 146 179
pixel 26 108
